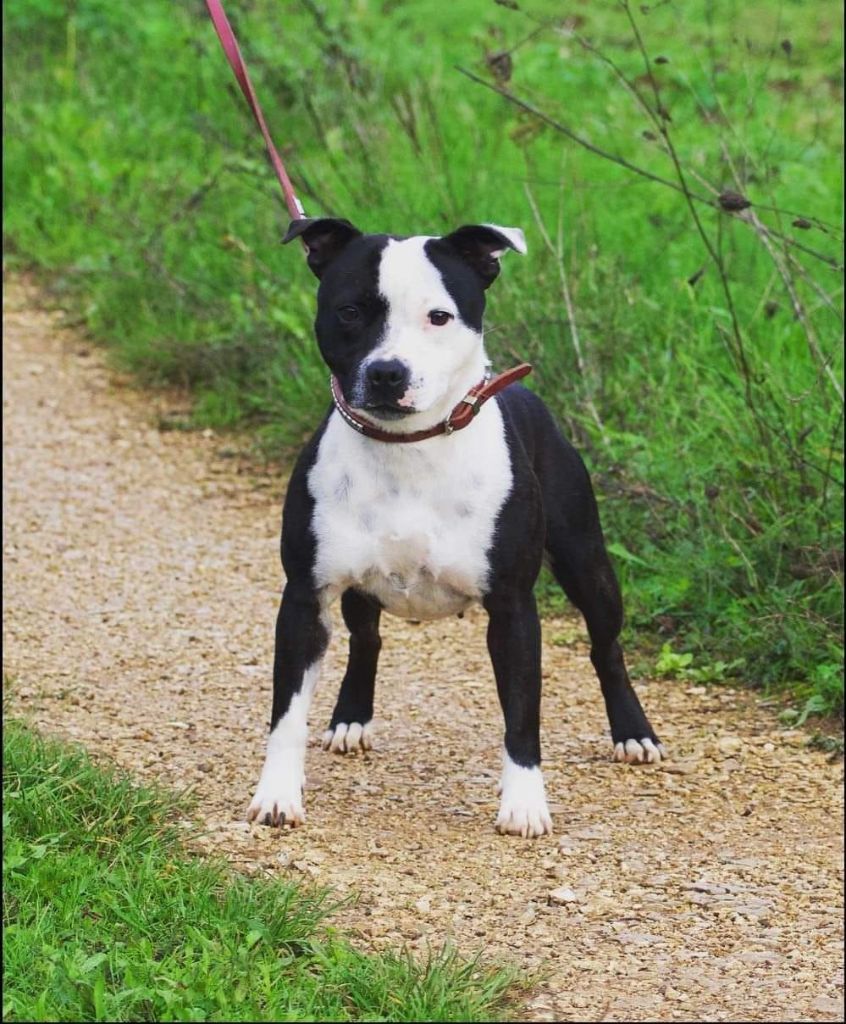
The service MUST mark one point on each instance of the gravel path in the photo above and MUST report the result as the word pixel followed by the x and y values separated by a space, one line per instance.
pixel 141 588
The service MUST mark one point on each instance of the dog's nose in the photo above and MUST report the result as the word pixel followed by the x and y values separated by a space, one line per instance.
pixel 387 375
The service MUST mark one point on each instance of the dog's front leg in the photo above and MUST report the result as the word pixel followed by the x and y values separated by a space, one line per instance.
pixel 302 635
pixel 350 728
pixel 514 642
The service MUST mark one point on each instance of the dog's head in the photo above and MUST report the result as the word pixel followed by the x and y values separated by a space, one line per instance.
pixel 399 320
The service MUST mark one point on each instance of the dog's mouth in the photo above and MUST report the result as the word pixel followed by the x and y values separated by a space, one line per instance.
pixel 386 411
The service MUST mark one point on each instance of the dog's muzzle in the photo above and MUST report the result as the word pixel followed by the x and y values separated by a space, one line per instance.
pixel 385 383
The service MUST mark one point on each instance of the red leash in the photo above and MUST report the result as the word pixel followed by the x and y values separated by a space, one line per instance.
pixel 233 55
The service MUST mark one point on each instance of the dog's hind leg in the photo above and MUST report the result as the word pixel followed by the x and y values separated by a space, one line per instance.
pixel 579 561
pixel 350 728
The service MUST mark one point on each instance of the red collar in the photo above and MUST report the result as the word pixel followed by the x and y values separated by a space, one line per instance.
pixel 460 417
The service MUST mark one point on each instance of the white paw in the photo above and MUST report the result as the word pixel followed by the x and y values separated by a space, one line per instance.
pixel 640 752
pixel 522 810
pixel 349 738
pixel 279 794
pixel 278 805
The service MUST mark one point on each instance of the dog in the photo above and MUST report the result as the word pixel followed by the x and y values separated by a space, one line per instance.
pixel 442 518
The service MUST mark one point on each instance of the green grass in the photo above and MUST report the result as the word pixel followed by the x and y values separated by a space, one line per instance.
pixel 105 917
pixel 707 411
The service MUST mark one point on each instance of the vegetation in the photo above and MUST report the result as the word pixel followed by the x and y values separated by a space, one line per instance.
pixel 106 918
pixel 687 341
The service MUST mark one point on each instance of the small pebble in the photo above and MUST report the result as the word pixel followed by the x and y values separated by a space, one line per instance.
pixel 562 895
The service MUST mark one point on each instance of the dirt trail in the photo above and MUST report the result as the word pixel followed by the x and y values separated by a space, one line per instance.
pixel 141 588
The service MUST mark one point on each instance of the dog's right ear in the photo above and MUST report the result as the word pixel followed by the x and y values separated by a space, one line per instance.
pixel 324 237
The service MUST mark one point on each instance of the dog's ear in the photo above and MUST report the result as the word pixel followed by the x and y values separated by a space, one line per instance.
pixel 324 237
pixel 481 245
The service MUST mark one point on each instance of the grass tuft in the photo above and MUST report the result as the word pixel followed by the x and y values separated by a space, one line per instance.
pixel 105 917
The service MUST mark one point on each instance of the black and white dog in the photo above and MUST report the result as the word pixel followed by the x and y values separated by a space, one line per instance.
pixel 423 529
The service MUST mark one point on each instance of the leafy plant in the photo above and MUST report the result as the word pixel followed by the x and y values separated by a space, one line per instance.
pixel 670 664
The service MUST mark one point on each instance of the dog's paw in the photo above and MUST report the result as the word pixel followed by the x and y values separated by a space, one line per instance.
pixel 522 810
pixel 349 738
pixel 644 751
pixel 528 822
pixel 277 805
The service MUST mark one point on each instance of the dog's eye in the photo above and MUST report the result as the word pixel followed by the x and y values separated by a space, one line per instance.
pixel 439 317
pixel 348 314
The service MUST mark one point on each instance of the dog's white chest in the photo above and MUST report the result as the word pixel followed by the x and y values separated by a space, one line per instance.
pixel 410 524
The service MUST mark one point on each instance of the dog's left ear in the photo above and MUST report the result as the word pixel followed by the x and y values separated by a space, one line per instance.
pixel 481 245
pixel 324 239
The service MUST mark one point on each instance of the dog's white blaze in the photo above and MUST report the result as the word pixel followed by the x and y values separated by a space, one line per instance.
pixel 283 775
pixel 410 524
pixel 444 362
pixel 522 810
